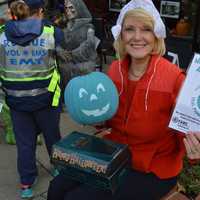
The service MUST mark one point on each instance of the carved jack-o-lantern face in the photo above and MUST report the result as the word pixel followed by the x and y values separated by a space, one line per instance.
pixel 98 95
pixel 91 98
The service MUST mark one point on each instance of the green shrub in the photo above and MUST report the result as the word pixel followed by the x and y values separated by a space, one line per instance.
pixel 190 178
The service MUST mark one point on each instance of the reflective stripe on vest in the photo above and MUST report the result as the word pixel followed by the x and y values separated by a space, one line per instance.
pixel 26 93
pixel 2 28
pixel 54 87
pixel 56 96
pixel 27 75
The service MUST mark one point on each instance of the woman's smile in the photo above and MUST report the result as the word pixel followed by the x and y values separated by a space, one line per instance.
pixel 138 39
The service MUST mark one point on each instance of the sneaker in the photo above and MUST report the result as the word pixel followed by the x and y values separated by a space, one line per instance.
pixel 54 172
pixel 26 192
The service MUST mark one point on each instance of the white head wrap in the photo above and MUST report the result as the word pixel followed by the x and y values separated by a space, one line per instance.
pixel 149 7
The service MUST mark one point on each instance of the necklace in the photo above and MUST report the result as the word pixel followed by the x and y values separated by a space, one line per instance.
pixel 135 76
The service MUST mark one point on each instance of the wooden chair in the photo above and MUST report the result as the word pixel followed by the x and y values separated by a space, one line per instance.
pixel 179 51
pixel 102 31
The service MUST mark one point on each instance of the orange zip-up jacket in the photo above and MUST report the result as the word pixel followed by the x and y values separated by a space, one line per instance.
pixel 143 125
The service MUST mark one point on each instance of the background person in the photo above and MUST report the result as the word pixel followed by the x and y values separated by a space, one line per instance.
pixel 26 47
pixel 5 113
pixel 3 10
pixel 7 122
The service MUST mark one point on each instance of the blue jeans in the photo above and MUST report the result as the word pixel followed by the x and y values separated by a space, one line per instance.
pixel 26 126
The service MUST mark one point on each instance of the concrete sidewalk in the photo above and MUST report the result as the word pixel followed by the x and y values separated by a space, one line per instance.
pixel 9 185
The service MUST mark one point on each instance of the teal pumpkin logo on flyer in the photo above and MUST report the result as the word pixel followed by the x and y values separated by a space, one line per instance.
pixel 196 101
pixel 91 98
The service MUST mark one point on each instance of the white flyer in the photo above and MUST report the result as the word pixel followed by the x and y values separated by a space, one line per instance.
pixel 186 114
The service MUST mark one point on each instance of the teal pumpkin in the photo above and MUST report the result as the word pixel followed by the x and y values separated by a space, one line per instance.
pixel 91 98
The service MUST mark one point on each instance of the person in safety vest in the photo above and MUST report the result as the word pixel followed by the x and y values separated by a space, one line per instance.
pixel 5 113
pixel 30 81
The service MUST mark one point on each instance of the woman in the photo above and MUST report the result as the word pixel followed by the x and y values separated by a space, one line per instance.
pixel 30 81
pixel 148 86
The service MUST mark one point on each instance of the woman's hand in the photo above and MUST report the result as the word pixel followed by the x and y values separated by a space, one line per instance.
pixel 103 132
pixel 192 145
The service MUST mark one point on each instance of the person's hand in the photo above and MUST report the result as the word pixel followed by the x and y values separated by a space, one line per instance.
pixel 63 54
pixel 192 145
pixel 102 132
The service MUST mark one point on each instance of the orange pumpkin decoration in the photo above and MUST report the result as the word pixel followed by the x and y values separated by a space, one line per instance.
pixel 182 27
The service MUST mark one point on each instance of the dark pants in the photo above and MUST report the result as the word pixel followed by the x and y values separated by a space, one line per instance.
pixel 136 186
pixel 26 126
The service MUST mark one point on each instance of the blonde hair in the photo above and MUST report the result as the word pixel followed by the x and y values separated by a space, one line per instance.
pixel 142 15
pixel 19 9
